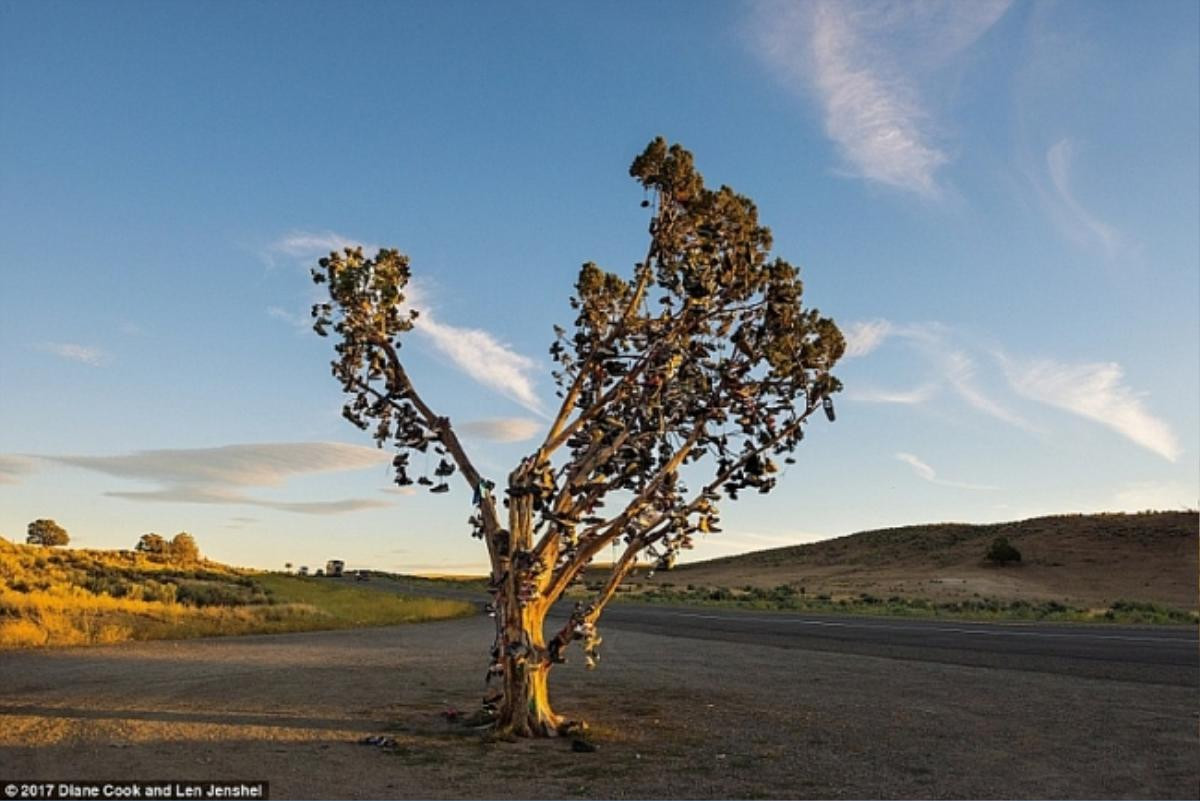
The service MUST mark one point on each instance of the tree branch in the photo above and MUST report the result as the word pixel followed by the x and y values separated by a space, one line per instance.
pixel 555 436
pixel 592 541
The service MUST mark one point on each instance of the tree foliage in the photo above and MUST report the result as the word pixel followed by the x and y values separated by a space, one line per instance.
pixel 154 544
pixel 183 548
pixel 180 548
pixel 680 387
pixel 46 532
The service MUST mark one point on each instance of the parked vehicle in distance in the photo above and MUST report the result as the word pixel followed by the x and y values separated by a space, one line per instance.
pixel 303 571
pixel 334 568
pixel 362 575
pixel 319 572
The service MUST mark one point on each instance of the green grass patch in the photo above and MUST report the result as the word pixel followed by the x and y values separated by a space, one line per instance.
pixel 470 583
pixel 346 605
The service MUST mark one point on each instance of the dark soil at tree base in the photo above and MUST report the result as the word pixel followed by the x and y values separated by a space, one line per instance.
pixel 671 718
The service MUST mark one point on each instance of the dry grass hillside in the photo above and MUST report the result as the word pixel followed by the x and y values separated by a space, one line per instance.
pixel 60 596
pixel 1084 560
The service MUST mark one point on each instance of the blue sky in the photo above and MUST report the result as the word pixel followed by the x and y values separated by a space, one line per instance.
pixel 998 202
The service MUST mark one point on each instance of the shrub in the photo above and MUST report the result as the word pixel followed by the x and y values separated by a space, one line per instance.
pixel 107 583
pixel 1002 552
pixel 208 595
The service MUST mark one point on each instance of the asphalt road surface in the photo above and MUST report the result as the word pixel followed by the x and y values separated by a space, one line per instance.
pixel 1151 654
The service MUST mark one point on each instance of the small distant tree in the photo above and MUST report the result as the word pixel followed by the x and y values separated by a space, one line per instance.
pixel 152 544
pixel 183 548
pixel 680 385
pixel 287 566
pixel 46 532
pixel 1002 552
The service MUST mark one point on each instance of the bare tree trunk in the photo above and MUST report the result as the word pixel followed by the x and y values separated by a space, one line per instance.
pixel 525 708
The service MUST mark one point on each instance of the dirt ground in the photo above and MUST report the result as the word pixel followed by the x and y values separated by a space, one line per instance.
pixel 672 718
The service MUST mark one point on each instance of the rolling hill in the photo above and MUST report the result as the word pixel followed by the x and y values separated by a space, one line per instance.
pixel 1079 559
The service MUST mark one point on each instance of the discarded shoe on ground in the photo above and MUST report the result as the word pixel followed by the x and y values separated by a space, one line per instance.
pixel 379 741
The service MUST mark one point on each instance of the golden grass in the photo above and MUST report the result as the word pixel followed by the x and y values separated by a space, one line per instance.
pixel 79 597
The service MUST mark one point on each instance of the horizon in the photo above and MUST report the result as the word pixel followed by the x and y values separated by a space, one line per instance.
pixel 997 203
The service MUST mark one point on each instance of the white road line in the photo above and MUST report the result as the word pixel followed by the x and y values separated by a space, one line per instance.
pixel 938 629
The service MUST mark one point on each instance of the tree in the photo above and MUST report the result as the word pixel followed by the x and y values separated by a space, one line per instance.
pixel 1002 552
pixel 287 566
pixel 679 387
pixel 153 544
pixel 183 548
pixel 46 532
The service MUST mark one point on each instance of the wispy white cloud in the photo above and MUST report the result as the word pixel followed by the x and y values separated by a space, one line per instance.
pixel 1093 390
pixel 920 468
pixel 1077 222
pixel 216 475
pixel 903 397
pixel 297 321
pixel 865 63
pixel 480 354
pixel 875 118
pixel 1096 392
pixel 485 358
pixel 266 464
pixel 306 244
pixel 14 468
pixel 502 429
pixel 84 354
pixel 863 337
pixel 952 366
pixel 929 474
pixel 959 371
pixel 190 494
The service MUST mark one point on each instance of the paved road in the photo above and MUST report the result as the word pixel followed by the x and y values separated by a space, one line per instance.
pixel 1150 654
pixel 1160 655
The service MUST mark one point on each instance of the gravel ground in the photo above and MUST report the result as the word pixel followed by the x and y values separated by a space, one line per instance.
pixel 671 717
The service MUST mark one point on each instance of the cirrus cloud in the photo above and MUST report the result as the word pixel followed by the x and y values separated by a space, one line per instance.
pixel 479 354
pixel 865 63
pixel 1095 391
pixel 14 468
pixel 502 429
pixel 216 475
pixel 929 474
pixel 1077 222
pixel 863 337
pixel 84 354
